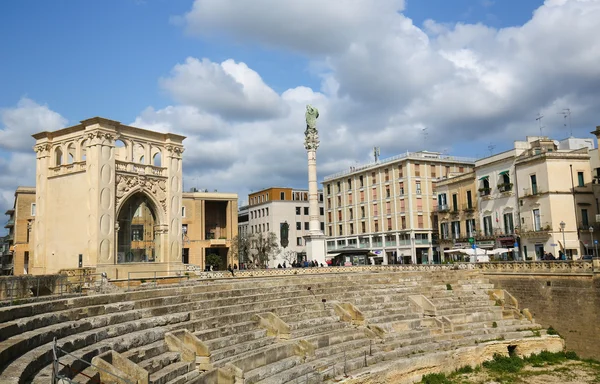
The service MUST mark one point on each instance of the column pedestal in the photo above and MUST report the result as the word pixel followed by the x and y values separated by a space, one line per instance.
pixel 315 247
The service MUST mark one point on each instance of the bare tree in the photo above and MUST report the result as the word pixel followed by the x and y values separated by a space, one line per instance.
pixel 265 246
pixel 241 246
pixel 289 256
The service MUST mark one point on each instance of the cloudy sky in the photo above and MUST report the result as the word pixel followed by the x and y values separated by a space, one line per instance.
pixel 234 76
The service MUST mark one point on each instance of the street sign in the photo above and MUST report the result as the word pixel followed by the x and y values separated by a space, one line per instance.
pixel 516 245
pixel 471 240
pixel 595 241
pixel 474 246
pixel 554 245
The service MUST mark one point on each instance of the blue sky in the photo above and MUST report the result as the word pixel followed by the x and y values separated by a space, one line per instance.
pixel 472 72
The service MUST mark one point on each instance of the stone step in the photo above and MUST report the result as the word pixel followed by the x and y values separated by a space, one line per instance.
pixel 147 351
pixel 261 373
pixel 226 341
pixel 311 322
pixel 326 327
pixel 224 331
pixel 239 348
pixel 170 372
pixel 30 363
pixel 156 363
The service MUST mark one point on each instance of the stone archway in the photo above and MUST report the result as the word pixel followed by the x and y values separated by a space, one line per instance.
pixel 137 223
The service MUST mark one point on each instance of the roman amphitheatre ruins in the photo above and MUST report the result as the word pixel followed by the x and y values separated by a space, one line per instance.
pixel 310 325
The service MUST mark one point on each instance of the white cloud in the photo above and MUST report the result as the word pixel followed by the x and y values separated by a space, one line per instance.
pixel 17 161
pixel 227 89
pixel 27 118
pixel 307 25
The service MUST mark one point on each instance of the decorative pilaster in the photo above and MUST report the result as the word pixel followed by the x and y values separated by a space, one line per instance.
pixel 173 244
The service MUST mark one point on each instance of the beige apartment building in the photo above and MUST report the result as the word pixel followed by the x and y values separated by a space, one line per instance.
pixel 457 211
pixel 537 196
pixel 15 258
pixel 388 206
pixel 210 223
pixel 557 206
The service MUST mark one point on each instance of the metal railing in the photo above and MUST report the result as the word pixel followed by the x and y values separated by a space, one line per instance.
pixel 15 289
pixel 58 377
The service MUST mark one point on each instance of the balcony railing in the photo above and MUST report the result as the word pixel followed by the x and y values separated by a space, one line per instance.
pixel 531 192
pixel 485 191
pixel 442 208
pixel 469 207
pixel 10 223
pixel 543 229
pixel 505 187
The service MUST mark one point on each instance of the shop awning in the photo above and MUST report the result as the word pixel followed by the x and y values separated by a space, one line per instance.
pixel 484 178
pixel 504 173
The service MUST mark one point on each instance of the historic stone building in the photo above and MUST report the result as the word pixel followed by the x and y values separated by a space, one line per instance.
pixel 108 196
pixel 537 196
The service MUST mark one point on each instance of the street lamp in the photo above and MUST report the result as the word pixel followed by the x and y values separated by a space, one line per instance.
pixel 593 242
pixel 562 229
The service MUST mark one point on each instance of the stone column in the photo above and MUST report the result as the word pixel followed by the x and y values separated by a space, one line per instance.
pixel 315 240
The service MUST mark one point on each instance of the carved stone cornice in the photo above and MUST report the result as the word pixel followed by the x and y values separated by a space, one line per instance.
pixel 100 137
pixel 174 150
pixel 42 150
pixel 153 186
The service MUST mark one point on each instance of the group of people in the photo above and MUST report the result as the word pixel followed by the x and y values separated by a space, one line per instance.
pixel 550 256
pixel 304 264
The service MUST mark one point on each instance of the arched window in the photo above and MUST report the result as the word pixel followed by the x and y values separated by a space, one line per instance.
pixel 83 150
pixel 70 153
pixel 157 158
pixel 58 154
pixel 135 241
pixel 139 153
pixel 120 150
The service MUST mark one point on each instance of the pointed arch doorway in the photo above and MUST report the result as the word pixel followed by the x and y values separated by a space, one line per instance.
pixel 137 238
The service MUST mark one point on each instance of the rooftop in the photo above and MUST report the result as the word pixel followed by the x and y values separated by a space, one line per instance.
pixel 421 155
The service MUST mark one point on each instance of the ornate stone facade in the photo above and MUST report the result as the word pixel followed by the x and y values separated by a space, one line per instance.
pixel 94 181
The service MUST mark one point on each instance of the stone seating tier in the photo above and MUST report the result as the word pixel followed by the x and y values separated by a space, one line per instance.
pixel 222 315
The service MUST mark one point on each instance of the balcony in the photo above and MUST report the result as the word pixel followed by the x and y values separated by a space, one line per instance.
pixel 505 187
pixel 531 192
pixel 469 207
pixel 10 223
pixel 442 208
pixel 485 191
pixel 542 230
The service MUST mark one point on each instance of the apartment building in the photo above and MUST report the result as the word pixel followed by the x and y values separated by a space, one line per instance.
pixel 210 223
pixel 16 254
pixel 532 199
pixel 557 206
pixel 457 211
pixel 269 208
pixel 388 206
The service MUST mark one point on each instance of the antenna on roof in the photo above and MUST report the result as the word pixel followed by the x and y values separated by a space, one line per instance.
pixel 566 112
pixel 491 148
pixel 539 120
pixel 376 153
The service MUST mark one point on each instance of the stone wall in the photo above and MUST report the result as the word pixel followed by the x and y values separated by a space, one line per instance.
pixel 568 302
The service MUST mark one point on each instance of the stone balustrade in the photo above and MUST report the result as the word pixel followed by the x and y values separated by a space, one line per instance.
pixel 565 267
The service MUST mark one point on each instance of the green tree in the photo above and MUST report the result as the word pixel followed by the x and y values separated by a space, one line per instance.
pixel 213 259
